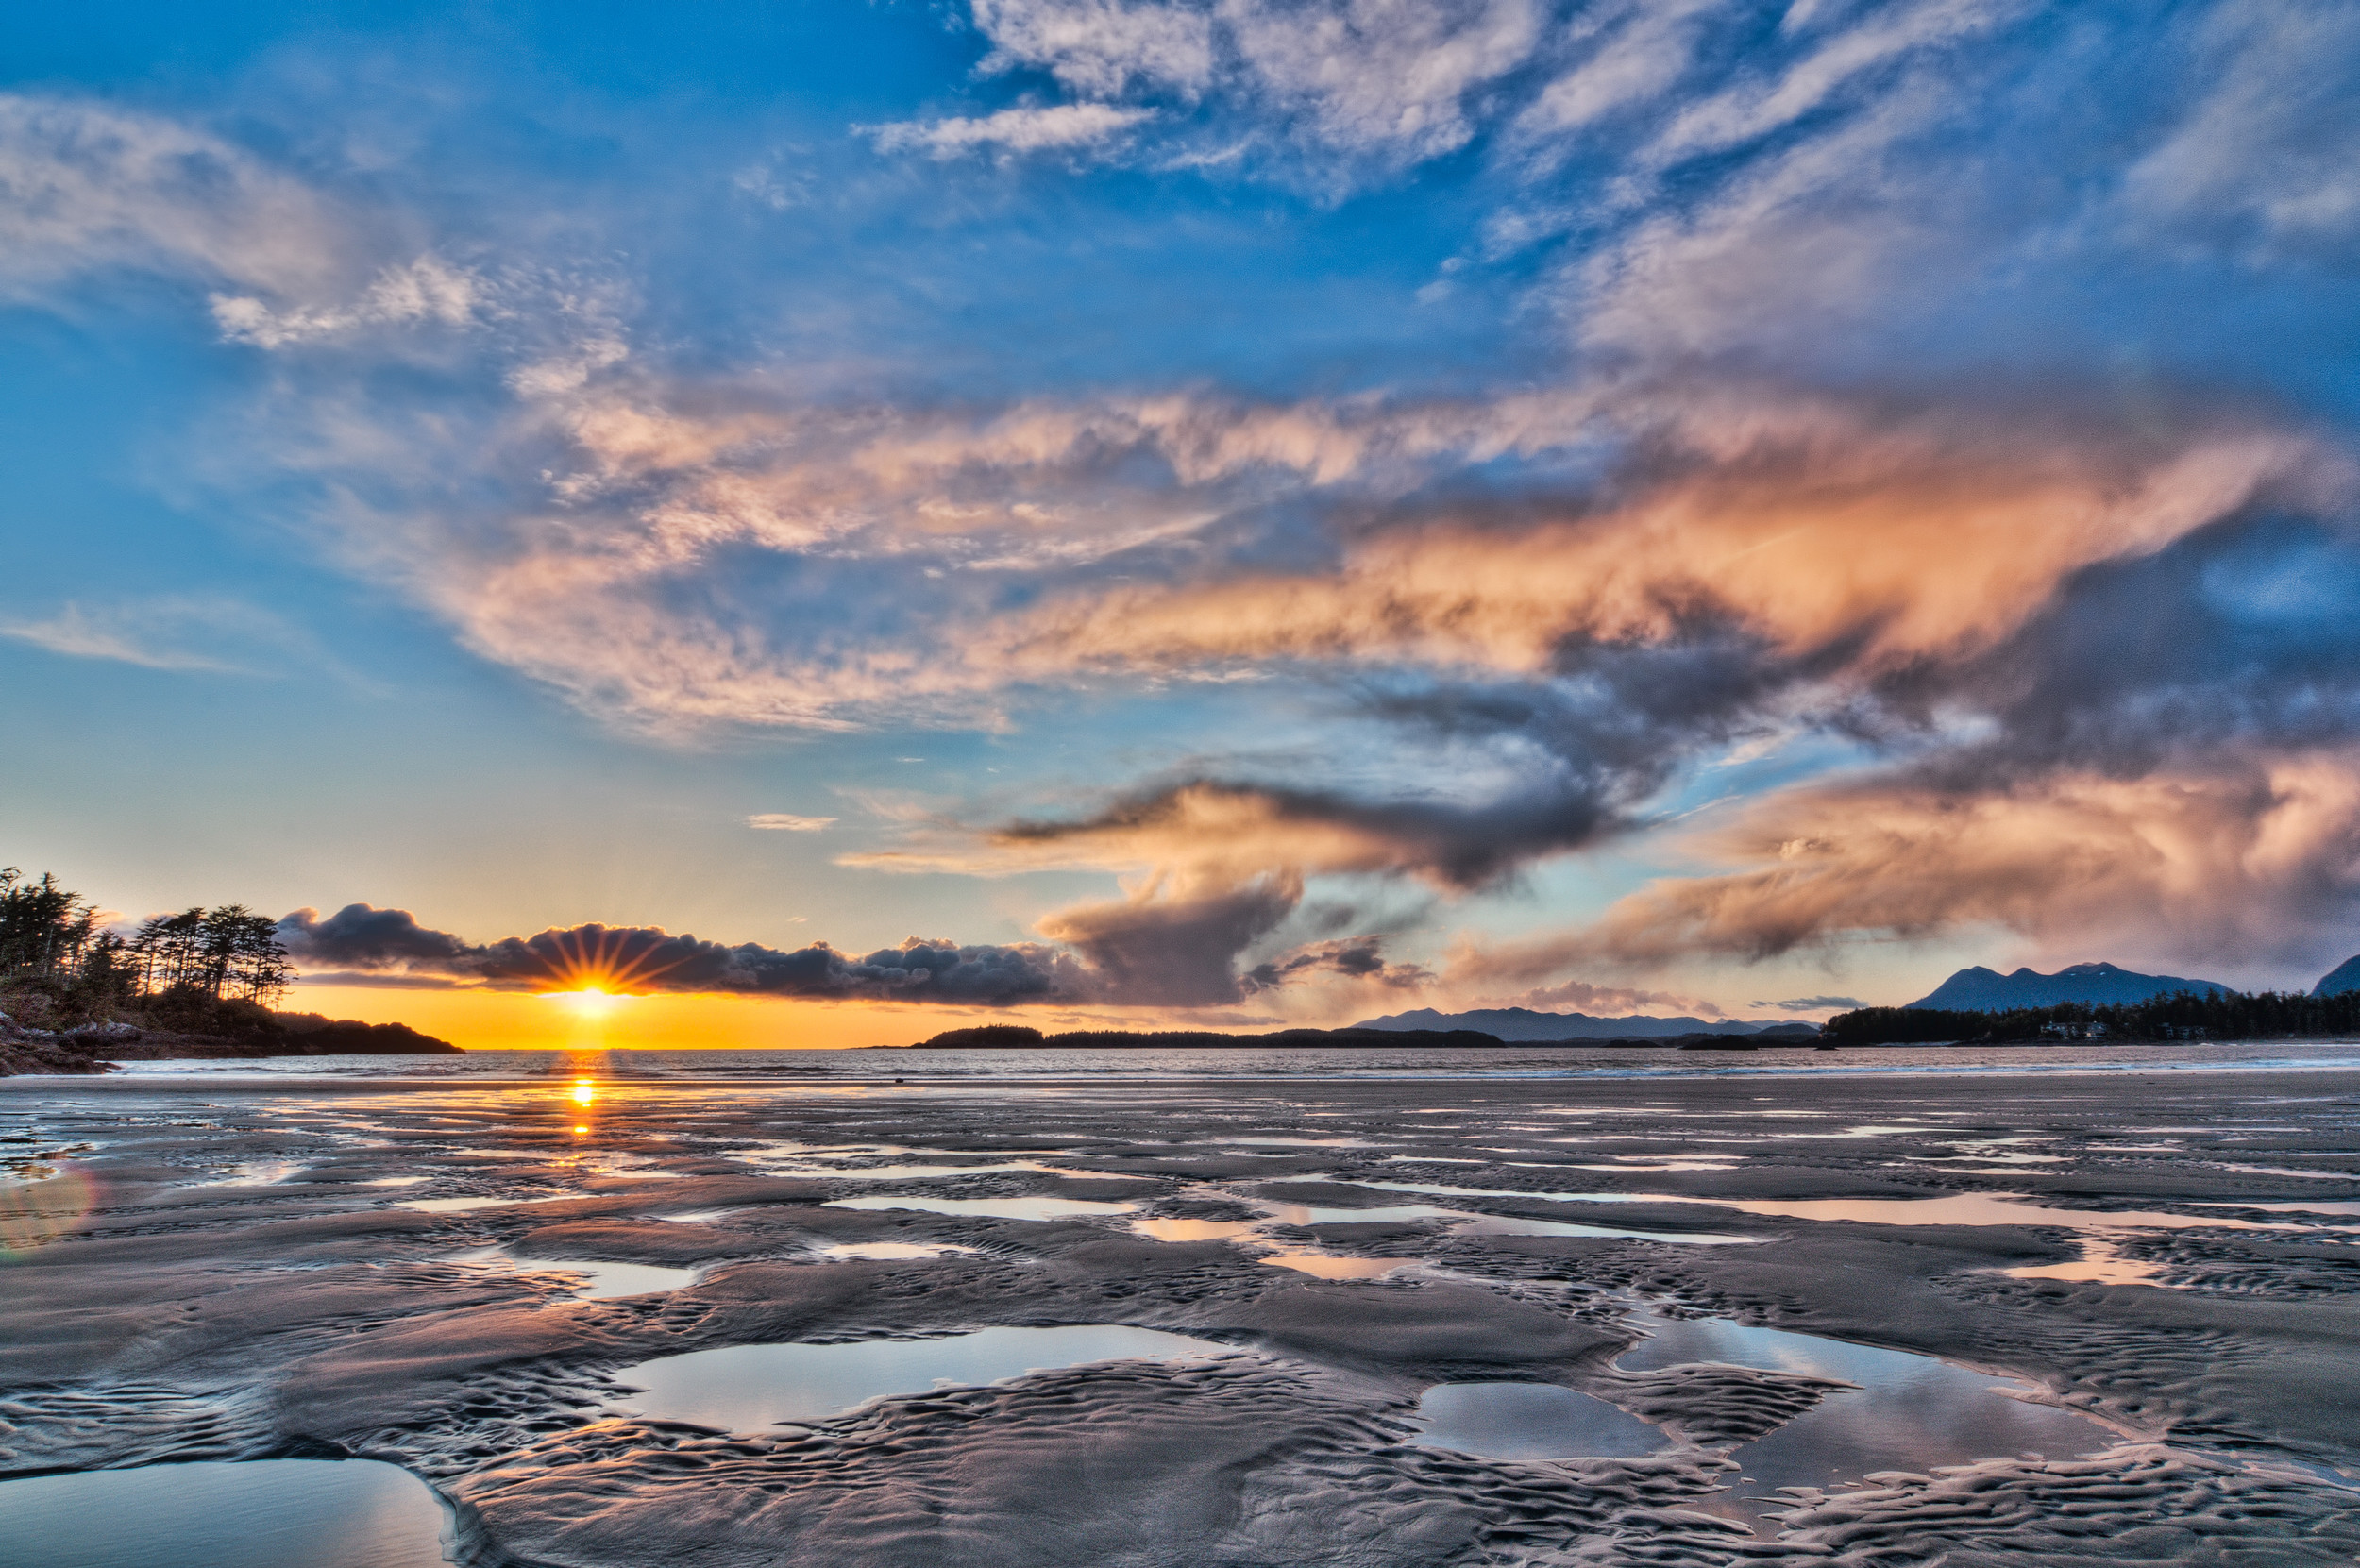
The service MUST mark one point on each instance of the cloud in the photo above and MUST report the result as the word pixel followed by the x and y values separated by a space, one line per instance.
pixel 1387 78
pixel 1357 958
pixel 390 944
pixel 426 291
pixel 2255 864
pixel 1218 831
pixel 1611 1001
pixel 361 936
pixel 781 821
pixel 1806 525
pixel 171 632
pixel 85 187
pixel 1165 947
pixel 1639 51
pixel 656 542
pixel 88 190
pixel 1100 45
pixel 1059 127
pixel 1813 1003
pixel 1175 948
pixel 2267 157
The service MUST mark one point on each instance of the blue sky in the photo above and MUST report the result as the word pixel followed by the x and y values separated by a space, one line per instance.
pixel 1240 510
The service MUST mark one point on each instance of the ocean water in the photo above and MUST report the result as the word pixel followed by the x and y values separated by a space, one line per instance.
pixel 919 1065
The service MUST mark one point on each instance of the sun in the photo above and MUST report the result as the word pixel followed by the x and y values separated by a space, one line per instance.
pixel 589 1002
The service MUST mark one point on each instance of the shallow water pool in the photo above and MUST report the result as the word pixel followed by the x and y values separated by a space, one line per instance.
pixel 1530 1421
pixel 748 1388
pixel 1195 1230
pixel 606 1281
pixel 996 1208
pixel 263 1514
pixel 1910 1412
pixel 1907 1412
pixel 885 1252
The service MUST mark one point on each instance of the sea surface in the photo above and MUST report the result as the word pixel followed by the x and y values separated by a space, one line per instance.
pixel 917 1064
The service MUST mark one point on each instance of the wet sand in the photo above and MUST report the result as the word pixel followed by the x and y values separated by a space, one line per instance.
pixel 430 1275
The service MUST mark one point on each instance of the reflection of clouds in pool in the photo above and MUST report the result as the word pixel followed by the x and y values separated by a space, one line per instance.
pixel 264 1172
pixel 1530 1421
pixel 468 1205
pixel 1908 1411
pixel 887 1252
pixel 746 1388
pixel 599 1280
pixel 1957 1208
pixel 996 1208
pixel 1334 1266
pixel 1504 1225
pixel 944 1172
pixel 1902 1411
pixel 261 1513
pixel 2100 1263
pixel 1193 1230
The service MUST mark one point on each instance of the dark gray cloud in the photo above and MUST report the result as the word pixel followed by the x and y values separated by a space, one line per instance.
pixel 1176 951
pixel 1581 751
pixel 1354 957
pixel 364 937
pixel 390 946
pixel 1813 1003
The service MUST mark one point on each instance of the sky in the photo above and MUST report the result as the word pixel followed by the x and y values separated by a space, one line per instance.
pixel 847 519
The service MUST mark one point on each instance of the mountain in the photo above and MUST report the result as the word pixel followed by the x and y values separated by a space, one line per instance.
pixel 1983 991
pixel 1523 1024
pixel 2343 977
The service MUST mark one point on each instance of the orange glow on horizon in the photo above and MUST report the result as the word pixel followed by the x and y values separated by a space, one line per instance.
pixel 477 1019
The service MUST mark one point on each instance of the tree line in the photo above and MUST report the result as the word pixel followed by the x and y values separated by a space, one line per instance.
pixel 51 934
pixel 2183 1015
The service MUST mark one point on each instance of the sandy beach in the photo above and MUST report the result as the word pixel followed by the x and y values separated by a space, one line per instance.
pixel 1389 1320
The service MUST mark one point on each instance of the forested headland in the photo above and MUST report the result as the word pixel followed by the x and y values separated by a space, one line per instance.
pixel 2185 1016
pixel 201 982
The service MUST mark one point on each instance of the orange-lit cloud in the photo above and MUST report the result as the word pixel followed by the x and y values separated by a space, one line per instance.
pixel 2252 865
pixel 1804 528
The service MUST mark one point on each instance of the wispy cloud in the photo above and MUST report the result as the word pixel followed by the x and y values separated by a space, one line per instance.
pixel 1060 128
pixel 1813 1003
pixel 1376 77
pixel 85 186
pixel 215 635
pixel 781 821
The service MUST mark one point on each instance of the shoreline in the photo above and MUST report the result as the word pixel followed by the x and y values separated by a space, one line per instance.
pixel 229 1081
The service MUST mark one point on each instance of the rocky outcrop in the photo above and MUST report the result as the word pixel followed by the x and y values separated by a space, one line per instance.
pixel 23 1050
pixel 99 1047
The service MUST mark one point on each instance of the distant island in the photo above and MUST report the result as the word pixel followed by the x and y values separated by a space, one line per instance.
pixel 1012 1037
pixel 197 984
pixel 1524 1025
